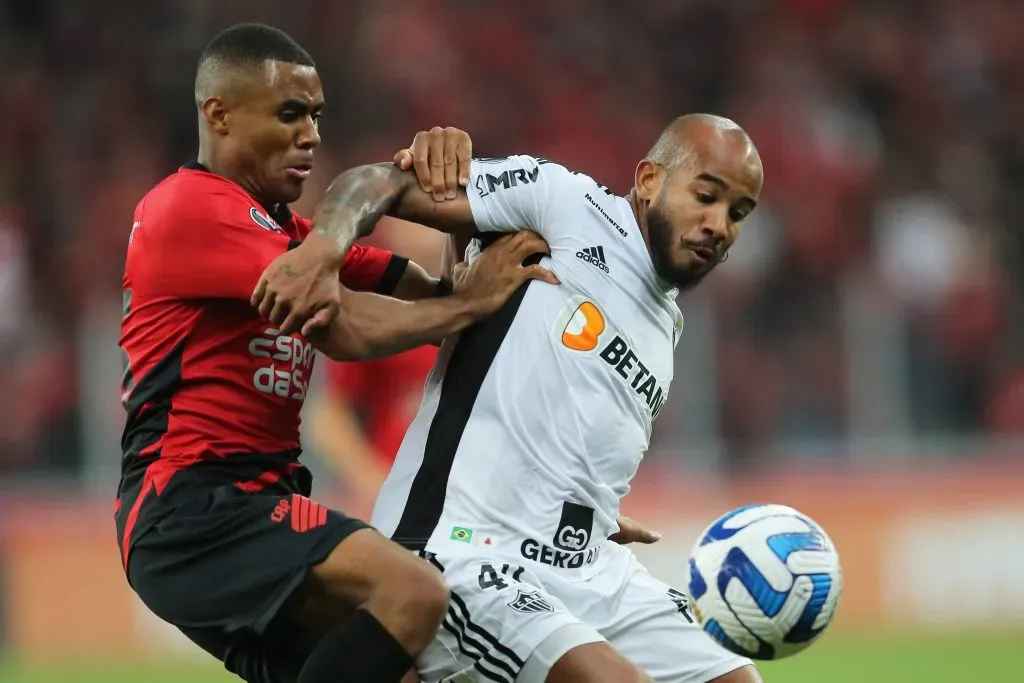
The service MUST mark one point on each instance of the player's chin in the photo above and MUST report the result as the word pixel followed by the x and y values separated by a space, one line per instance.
pixel 686 274
pixel 688 264
pixel 289 190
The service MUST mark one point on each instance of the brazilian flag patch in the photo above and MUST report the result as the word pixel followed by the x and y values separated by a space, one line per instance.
pixel 461 534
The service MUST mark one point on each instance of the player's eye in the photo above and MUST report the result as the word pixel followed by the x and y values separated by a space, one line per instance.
pixel 737 215
pixel 705 198
pixel 288 116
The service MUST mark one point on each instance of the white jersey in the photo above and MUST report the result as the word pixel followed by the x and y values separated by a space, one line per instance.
pixel 534 421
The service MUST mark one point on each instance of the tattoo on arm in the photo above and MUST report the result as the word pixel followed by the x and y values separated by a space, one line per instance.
pixel 356 200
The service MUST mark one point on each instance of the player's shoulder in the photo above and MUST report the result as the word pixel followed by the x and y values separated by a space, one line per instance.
pixel 191 185
pixel 495 173
pixel 194 197
pixel 576 180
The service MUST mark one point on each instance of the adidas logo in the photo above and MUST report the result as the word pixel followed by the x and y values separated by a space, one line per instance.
pixel 593 256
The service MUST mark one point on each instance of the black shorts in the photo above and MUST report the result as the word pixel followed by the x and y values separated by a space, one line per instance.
pixel 219 561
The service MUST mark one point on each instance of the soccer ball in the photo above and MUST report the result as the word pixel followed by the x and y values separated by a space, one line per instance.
pixel 764 581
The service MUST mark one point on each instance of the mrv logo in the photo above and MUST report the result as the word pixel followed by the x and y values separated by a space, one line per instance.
pixel 487 183
pixel 291 364
pixel 621 357
pixel 570 540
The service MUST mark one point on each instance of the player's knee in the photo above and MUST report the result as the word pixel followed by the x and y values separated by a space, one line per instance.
pixel 416 601
pixel 427 595
pixel 746 674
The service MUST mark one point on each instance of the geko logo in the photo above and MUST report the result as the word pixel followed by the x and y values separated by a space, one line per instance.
pixel 574 527
pixel 572 539
pixel 288 376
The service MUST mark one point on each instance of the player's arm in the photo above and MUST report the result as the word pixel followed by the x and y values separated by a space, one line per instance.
pixel 296 290
pixel 371 326
pixel 416 283
pixel 503 196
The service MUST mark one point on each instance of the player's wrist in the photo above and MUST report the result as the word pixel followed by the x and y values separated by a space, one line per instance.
pixel 326 248
pixel 473 306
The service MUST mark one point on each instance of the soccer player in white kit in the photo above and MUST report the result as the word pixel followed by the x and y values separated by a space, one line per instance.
pixel 534 421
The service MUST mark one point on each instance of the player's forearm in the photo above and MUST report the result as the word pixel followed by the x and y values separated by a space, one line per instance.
pixel 355 201
pixel 374 326
pixel 416 284
pixel 360 197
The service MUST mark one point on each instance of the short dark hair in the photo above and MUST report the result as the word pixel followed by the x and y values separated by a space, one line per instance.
pixel 247 45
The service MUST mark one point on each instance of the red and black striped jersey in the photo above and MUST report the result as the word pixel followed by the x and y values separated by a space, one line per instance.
pixel 205 376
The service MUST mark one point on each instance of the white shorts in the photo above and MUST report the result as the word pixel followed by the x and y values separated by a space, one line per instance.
pixel 511 621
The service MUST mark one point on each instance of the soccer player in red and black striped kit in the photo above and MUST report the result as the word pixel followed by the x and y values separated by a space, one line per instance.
pixel 216 529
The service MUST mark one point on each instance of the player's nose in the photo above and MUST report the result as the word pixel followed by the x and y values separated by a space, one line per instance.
pixel 716 223
pixel 308 136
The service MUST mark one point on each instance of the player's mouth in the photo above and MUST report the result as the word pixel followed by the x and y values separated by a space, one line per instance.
pixel 703 254
pixel 300 171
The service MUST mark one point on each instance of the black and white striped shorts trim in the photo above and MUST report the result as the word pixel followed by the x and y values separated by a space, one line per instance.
pixel 493 660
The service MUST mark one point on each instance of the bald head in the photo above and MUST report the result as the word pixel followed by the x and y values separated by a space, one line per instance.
pixel 698 183
pixel 690 137
pixel 242 51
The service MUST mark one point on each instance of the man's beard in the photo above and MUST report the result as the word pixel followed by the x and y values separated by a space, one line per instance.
pixel 659 232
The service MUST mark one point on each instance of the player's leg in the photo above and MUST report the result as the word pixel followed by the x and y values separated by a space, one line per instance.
pixel 502 625
pixel 228 565
pixel 276 656
pixel 399 602
pixel 653 627
pixel 590 663
pixel 746 674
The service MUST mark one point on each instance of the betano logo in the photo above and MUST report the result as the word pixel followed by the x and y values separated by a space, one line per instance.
pixel 580 326
pixel 584 328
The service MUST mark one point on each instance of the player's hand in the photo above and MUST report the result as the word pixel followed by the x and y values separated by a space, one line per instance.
pixel 630 531
pixel 441 158
pixel 300 289
pixel 490 280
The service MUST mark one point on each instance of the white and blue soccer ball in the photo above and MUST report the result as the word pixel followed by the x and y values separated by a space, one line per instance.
pixel 764 581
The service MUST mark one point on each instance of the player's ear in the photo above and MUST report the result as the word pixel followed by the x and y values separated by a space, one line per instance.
pixel 216 114
pixel 648 179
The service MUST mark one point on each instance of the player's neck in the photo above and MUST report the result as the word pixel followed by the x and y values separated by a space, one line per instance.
pixel 215 163
pixel 639 208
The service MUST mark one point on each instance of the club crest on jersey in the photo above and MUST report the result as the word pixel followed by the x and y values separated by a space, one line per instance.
pixel 264 221
pixel 530 602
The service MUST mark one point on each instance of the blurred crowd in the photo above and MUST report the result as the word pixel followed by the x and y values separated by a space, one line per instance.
pixel 889 130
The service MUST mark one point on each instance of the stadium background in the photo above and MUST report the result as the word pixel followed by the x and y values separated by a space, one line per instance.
pixel 860 355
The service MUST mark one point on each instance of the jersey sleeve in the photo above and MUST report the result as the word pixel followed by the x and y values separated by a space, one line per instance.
pixel 209 248
pixel 370 269
pixel 515 193
pixel 365 269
